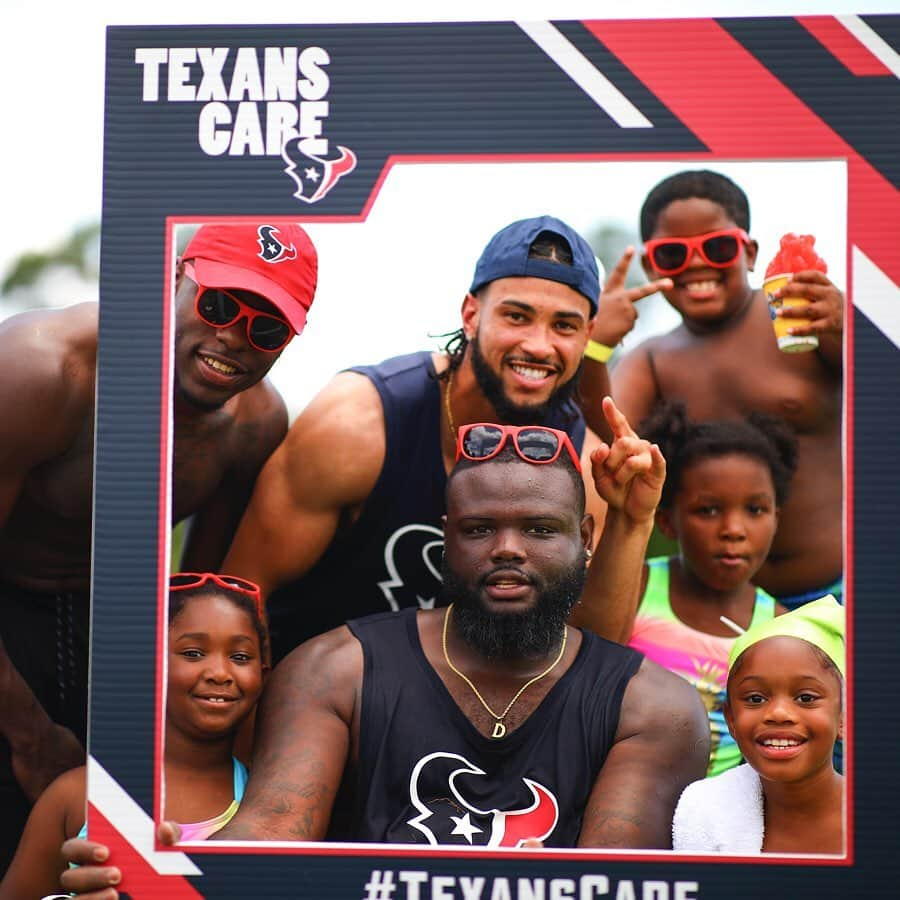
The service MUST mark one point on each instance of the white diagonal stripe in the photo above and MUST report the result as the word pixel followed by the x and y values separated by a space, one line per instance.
pixel 583 72
pixel 873 42
pixel 876 295
pixel 132 822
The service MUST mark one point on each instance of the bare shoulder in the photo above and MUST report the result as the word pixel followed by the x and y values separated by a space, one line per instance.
pixel 658 701
pixel 326 670
pixel 66 795
pixel 633 383
pixel 262 403
pixel 260 422
pixel 71 783
pixel 348 403
pixel 49 360
pixel 51 342
pixel 337 444
pixel 635 361
pixel 337 650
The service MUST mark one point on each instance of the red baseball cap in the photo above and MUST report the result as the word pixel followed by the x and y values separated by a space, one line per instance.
pixel 277 262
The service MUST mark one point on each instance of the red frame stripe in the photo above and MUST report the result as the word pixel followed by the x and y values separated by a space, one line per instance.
pixel 844 46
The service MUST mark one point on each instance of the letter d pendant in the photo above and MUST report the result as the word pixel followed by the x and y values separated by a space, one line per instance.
pixel 499 730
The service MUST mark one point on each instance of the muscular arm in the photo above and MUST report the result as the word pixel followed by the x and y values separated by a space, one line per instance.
pixel 260 426
pixel 661 746
pixel 592 388
pixel 303 740
pixel 324 469
pixel 48 360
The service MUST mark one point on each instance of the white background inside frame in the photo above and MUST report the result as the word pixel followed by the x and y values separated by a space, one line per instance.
pixel 391 284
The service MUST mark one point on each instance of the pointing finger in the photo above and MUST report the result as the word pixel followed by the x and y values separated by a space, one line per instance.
pixel 616 419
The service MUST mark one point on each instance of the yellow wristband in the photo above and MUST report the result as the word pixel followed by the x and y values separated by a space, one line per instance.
pixel 598 352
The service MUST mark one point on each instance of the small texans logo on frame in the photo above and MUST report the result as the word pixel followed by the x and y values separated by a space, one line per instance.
pixel 314 174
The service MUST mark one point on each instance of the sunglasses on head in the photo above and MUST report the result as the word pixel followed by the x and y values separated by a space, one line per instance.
pixel 221 308
pixel 182 581
pixel 534 443
pixel 718 249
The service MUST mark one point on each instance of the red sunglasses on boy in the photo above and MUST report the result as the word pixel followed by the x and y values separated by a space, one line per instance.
pixel 719 249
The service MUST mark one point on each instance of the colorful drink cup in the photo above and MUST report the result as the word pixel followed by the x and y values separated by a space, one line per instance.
pixel 796 253
pixel 787 343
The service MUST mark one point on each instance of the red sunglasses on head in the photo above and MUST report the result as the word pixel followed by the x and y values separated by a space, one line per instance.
pixel 221 308
pixel 534 443
pixel 719 249
pixel 182 581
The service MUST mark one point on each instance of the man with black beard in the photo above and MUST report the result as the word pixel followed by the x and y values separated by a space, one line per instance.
pixel 487 723
pixel 345 517
pixel 241 294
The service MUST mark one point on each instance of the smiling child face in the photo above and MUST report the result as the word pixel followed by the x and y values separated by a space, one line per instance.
pixel 784 708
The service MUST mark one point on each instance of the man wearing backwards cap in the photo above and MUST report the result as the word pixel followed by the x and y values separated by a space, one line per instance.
pixel 345 517
pixel 227 420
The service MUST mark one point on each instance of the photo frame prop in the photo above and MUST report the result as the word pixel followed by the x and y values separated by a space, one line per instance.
pixel 207 124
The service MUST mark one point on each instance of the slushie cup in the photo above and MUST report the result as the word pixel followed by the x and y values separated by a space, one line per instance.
pixel 787 343
pixel 796 253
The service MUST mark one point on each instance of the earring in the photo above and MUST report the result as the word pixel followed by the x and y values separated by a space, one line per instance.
pixel 588 554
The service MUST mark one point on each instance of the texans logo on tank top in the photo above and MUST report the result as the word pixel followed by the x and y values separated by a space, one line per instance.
pixel 442 791
pixel 412 557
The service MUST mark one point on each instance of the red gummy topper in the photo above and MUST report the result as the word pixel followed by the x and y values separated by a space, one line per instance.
pixel 795 254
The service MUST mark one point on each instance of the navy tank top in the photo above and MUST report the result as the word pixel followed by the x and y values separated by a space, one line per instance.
pixel 391 557
pixel 428 776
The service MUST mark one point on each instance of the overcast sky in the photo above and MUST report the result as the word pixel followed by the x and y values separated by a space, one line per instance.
pixel 52 64
pixel 51 78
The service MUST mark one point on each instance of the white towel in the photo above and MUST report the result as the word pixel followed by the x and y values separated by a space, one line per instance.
pixel 723 814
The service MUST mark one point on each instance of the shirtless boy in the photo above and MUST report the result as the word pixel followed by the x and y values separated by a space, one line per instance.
pixel 722 362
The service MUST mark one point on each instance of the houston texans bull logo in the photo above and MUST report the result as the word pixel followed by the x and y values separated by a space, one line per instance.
pixel 435 793
pixel 412 557
pixel 314 175
pixel 270 248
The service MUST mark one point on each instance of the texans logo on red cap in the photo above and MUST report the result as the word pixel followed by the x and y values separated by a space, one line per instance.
pixel 447 817
pixel 271 249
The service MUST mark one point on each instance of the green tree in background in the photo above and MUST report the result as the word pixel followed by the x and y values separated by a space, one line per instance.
pixel 78 253
pixel 609 240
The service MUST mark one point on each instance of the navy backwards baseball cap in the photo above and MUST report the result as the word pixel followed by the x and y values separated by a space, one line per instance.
pixel 506 255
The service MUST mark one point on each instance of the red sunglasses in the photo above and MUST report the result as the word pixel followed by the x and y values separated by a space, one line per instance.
pixel 534 443
pixel 719 249
pixel 182 581
pixel 221 308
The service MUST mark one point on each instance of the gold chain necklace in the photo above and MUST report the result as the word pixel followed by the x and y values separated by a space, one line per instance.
pixel 499 728
pixel 447 409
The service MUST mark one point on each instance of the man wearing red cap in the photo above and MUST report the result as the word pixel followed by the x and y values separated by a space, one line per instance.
pixel 241 293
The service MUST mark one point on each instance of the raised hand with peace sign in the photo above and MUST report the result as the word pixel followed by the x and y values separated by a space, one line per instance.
pixel 615 318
